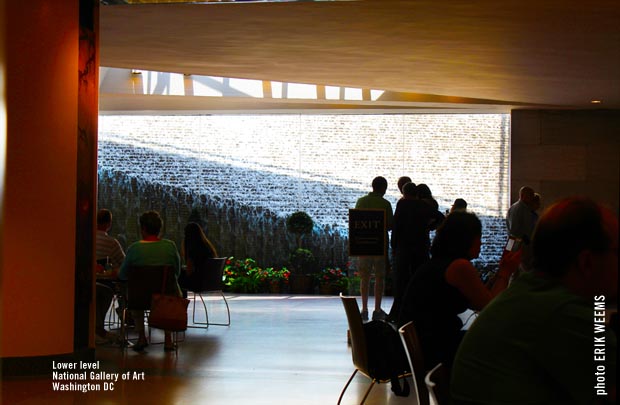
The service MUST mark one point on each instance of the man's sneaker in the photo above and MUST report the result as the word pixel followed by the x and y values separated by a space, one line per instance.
pixel 379 315
pixel 364 315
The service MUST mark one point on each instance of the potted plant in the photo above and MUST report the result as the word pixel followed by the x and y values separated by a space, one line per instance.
pixel 332 280
pixel 243 276
pixel 300 224
pixel 302 263
pixel 276 278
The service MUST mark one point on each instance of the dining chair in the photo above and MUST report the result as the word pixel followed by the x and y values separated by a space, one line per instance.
pixel 359 348
pixel 437 382
pixel 142 283
pixel 208 279
pixel 411 343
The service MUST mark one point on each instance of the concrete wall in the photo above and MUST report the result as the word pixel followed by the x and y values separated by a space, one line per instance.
pixel 563 153
pixel 264 167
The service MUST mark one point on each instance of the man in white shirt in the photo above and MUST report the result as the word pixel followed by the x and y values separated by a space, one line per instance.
pixel 110 252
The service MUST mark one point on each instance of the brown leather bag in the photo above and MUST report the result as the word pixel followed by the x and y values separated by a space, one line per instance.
pixel 168 312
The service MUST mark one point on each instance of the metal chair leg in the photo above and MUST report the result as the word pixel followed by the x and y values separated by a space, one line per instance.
pixel 372 384
pixel 346 386
pixel 227 312
pixel 194 322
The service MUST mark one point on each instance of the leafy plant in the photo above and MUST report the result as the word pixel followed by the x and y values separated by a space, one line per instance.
pixel 270 274
pixel 242 275
pixel 334 276
pixel 302 261
pixel 300 224
pixel 246 276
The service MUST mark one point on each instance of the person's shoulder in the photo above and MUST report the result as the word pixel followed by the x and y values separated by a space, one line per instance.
pixel 133 246
pixel 361 201
pixel 168 242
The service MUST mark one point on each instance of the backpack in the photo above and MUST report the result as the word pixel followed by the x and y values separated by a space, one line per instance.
pixel 386 356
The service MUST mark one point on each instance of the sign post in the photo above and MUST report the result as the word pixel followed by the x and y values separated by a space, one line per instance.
pixel 367 232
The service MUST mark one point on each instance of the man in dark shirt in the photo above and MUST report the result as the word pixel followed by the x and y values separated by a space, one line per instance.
pixel 413 220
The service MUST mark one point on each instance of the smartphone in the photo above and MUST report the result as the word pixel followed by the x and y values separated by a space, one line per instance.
pixel 513 244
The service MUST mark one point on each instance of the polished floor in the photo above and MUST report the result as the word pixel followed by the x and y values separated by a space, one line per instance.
pixel 279 349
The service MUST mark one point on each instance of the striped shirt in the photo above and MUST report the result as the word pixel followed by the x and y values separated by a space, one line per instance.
pixel 107 246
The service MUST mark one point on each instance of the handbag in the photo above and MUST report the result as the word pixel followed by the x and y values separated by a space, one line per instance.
pixel 168 312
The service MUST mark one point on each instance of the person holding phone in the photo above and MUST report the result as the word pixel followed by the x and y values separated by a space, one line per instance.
pixel 449 284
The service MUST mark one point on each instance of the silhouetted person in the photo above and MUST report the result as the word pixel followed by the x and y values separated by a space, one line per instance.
pixel 459 205
pixel 543 340
pixel 196 249
pixel 449 284
pixel 413 220
pixel 520 224
pixel 151 250
pixel 401 182
pixel 109 255
pixel 374 264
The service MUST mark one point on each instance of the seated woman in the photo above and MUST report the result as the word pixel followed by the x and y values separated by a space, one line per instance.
pixel 150 251
pixel 449 284
pixel 195 250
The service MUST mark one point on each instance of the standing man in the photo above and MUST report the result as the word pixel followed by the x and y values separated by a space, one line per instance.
pixel 374 264
pixel 520 225
pixel 519 218
pixel 413 220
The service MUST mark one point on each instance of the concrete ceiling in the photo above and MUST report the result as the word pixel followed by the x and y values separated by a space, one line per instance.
pixel 426 54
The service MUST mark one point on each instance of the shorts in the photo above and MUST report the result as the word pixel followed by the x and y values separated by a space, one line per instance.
pixel 367 265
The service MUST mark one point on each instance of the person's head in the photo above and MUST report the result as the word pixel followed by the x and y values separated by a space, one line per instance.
pixel 194 234
pixel 401 182
pixel 526 194
pixel 410 191
pixel 458 237
pixel 104 219
pixel 379 185
pixel 459 205
pixel 150 223
pixel 195 242
pixel 424 191
pixel 577 237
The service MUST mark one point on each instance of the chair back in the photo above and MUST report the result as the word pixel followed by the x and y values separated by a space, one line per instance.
pixel 416 360
pixel 144 281
pixel 359 350
pixel 438 383
pixel 209 276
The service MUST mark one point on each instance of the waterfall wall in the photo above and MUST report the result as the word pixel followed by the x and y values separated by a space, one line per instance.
pixel 246 173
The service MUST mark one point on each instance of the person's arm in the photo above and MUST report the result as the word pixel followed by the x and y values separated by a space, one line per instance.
pixel 117 255
pixel 122 273
pixel 437 219
pixel 396 226
pixel 189 266
pixel 177 260
pixel 462 275
pixel 389 215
